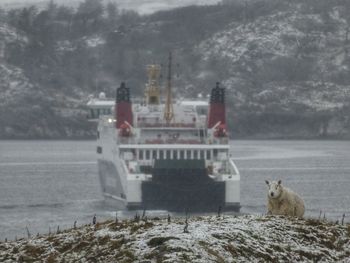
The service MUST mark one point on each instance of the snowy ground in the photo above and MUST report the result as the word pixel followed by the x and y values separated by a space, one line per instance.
pixel 209 239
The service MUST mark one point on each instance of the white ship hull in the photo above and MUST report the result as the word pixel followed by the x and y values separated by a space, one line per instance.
pixel 165 155
pixel 110 182
pixel 123 190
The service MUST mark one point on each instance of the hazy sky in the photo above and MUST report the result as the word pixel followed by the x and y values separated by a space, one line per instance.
pixel 171 2
pixel 142 6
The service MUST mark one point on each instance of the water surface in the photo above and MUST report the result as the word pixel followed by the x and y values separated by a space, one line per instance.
pixel 45 184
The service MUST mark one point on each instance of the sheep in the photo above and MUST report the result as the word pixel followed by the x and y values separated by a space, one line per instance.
pixel 283 201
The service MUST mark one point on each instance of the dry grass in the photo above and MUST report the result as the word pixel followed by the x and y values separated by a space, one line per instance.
pixel 117 244
pixel 33 251
pixel 52 258
pixel 125 255
pixel 157 241
pixel 212 252
pixel 104 240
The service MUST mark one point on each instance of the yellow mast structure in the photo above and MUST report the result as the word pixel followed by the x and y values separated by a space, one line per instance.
pixel 152 87
pixel 169 110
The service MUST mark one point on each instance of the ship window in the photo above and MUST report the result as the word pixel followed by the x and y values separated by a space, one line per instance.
pixel 195 154
pixel 148 155
pixel 154 154
pixel 146 169
pixel 182 154
pixel 175 154
pixel 161 154
pixel 215 153
pixel 94 113
pixel 188 153
pixel 168 154
pixel 208 154
pixel 99 149
pixel 98 135
pixel 202 154
pixel 141 154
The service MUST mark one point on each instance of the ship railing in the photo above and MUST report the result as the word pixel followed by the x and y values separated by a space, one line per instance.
pixel 166 125
pixel 224 140
pixel 128 140
pixel 233 167
pixel 180 141
pixel 133 140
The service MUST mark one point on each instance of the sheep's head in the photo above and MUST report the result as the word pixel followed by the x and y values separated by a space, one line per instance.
pixel 275 189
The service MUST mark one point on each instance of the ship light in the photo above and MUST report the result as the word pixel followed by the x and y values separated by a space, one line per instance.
pixel 110 120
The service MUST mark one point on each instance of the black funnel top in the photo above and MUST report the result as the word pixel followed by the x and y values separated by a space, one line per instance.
pixel 217 94
pixel 123 93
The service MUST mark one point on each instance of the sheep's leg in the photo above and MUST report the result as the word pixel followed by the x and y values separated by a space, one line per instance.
pixel 269 208
pixel 286 210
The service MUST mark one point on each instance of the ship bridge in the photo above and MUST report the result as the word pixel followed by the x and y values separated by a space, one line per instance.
pixel 186 137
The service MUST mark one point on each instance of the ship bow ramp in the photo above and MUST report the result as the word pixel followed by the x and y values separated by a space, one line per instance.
pixel 182 185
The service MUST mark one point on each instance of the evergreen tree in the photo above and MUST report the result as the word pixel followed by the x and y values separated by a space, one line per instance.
pixel 26 18
pixel 112 14
pixel 89 14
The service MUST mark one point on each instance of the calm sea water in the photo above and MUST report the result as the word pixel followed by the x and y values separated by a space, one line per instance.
pixel 45 184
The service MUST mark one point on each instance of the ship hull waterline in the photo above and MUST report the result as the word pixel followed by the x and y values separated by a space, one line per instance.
pixel 168 190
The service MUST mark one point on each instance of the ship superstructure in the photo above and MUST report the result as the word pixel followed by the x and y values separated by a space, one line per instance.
pixel 168 155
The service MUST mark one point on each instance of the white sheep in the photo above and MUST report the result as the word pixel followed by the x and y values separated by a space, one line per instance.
pixel 283 201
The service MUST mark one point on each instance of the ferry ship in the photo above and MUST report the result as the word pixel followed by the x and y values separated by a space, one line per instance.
pixel 165 153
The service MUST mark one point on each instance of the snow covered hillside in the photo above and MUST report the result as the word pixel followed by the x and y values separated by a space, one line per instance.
pixel 208 239
pixel 285 64
pixel 292 62
pixel 28 110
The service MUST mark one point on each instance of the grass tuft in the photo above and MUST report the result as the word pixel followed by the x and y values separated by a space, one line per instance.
pixel 157 241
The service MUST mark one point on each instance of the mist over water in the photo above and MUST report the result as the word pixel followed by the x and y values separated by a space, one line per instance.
pixel 44 184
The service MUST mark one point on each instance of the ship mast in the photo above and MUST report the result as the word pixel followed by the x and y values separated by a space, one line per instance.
pixel 152 87
pixel 169 111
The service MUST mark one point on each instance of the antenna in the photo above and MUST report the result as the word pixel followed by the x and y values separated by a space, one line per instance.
pixel 169 111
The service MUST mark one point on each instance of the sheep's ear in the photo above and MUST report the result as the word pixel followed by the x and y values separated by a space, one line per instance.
pixel 267 182
pixel 279 182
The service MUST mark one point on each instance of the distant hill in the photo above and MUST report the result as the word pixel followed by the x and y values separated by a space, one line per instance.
pixel 288 70
pixel 285 64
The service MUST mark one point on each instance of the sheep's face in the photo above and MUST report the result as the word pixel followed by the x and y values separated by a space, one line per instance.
pixel 275 189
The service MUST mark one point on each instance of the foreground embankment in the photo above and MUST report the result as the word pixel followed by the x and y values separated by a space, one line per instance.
pixel 202 239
